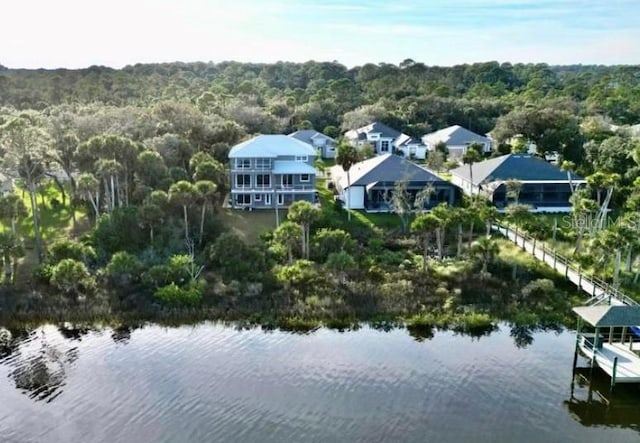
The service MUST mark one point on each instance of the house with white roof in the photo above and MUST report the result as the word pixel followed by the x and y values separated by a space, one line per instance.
pixel 270 170
pixel 457 140
pixel 325 145
pixel 386 140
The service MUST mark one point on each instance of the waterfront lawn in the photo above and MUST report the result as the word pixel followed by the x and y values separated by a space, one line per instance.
pixel 249 225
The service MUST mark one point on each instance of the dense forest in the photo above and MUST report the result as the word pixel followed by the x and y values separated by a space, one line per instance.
pixel 141 153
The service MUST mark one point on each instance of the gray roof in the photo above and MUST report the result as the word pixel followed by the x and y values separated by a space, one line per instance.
pixel 455 135
pixel 271 145
pixel 375 128
pixel 307 135
pixel 385 168
pixel 521 167
pixel 609 315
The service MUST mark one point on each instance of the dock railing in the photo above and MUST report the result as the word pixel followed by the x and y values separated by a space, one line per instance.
pixel 599 290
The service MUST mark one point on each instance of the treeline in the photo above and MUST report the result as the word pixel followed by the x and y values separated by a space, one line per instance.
pixel 322 92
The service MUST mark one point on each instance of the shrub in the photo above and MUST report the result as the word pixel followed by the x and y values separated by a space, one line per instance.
pixel 174 295
pixel 123 268
pixel 72 277
pixel 62 249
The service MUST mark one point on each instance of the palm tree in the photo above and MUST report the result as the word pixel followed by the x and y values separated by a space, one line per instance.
pixel 288 234
pixel 183 193
pixel 442 212
pixel 10 249
pixel 346 157
pixel 149 215
pixel 304 213
pixel 472 155
pixel 206 193
pixel 12 208
pixel 425 225
pixel 89 189
pixel 513 189
pixel 485 250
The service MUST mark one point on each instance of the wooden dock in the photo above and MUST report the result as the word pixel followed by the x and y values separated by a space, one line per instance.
pixel 599 291
pixel 608 309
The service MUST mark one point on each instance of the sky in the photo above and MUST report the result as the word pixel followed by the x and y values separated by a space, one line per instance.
pixel 81 33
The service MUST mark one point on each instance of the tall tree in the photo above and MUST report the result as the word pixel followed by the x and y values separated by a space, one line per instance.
pixel 425 225
pixel 89 190
pixel 347 156
pixel 12 209
pixel 288 234
pixel 485 250
pixel 10 250
pixel 26 150
pixel 472 155
pixel 304 213
pixel 514 187
pixel 184 194
pixel 206 194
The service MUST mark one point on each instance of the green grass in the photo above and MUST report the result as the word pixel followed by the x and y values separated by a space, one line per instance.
pixel 380 220
pixel 249 225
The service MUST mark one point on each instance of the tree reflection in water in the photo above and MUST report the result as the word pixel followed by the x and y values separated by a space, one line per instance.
pixel 39 368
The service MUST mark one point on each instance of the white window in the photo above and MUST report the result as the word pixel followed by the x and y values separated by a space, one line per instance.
pixel 304 177
pixel 287 180
pixel 243 163
pixel 243 199
pixel 267 199
pixel 263 163
pixel 384 146
pixel 302 158
pixel 257 198
pixel 243 181
pixel 280 199
pixel 263 181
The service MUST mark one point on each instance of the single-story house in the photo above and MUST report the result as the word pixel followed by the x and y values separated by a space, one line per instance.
pixel 325 145
pixel 545 187
pixel 457 140
pixel 386 140
pixel 371 182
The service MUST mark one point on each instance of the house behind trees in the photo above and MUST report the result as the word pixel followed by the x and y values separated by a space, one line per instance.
pixel 372 181
pixel 270 170
pixel 544 186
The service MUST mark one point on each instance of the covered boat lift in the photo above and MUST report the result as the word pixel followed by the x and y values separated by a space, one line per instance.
pixel 605 335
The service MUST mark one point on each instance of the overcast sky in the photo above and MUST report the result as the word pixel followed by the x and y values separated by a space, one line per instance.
pixel 81 33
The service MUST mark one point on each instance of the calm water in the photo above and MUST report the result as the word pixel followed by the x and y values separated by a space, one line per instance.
pixel 215 383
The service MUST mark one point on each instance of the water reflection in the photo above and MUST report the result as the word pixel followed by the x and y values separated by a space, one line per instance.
pixel 38 368
pixel 210 382
pixel 593 403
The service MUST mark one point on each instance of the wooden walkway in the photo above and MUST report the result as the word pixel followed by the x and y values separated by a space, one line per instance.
pixel 600 291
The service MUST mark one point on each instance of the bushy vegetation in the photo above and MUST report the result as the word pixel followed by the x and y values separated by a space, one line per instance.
pixel 137 161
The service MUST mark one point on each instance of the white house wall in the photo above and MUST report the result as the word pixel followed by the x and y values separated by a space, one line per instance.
pixel 354 197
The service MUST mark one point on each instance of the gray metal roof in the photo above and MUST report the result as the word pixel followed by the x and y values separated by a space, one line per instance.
pixel 609 315
pixel 374 128
pixel 271 146
pixel 521 167
pixel 307 135
pixel 387 168
pixel 455 136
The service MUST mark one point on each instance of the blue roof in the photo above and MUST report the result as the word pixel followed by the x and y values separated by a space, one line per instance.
pixel 292 167
pixel 271 146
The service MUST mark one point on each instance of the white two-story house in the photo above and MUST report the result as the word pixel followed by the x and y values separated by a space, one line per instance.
pixel 386 140
pixel 270 170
